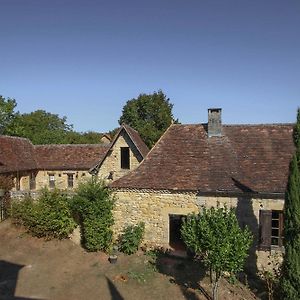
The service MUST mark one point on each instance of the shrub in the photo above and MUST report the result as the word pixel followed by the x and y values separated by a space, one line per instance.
pixel 216 235
pixel 6 184
pixel 49 216
pixel 21 211
pixel 132 238
pixel 92 206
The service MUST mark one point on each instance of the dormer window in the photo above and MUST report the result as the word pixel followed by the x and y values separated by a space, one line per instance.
pixel 125 158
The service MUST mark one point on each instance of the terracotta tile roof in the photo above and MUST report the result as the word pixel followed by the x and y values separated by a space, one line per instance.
pixel 68 157
pixel 137 140
pixel 16 154
pixel 247 158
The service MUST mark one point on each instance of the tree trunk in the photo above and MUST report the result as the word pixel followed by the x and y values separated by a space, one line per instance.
pixel 215 289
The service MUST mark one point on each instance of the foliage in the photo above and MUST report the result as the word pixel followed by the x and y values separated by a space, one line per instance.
pixel 49 216
pixel 215 235
pixel 296 132
pixel 22 212
pixel 113 132
pixel 89 137
pixel 290 279
pixel 142 276
pixel 149 114
pixel 93 204
pixel 271 275
pixel 7 113
pixel 6 184
pixel 132 238
pixel 40 127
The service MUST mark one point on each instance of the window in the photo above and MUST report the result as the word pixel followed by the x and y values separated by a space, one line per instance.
pixel 51 181
pixel 271 229
pixel 70 180
pixel 277 228
pixel 18 186
pixel 125 159
pixel 32 181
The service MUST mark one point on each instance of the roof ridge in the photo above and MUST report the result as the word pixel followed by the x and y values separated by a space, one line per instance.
pixel 259 124
pixel 72 145
pixel 15 137
pixel 144 158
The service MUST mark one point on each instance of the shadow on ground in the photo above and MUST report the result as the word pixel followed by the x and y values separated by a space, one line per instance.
pixel 8 280
pixel 184 272
pixel 115 294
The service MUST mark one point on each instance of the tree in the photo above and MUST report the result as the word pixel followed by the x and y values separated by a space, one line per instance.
pixel 149 114
pixel 215 235
pixel 93 204
pixel 40 127
pixel 89 137
pixel 7 113
pixel 290 278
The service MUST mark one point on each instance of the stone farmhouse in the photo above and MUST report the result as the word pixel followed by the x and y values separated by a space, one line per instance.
pixel 64 166
pixel 191 166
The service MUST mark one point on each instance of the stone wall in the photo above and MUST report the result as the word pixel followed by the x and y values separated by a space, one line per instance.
pixel 112 162
pixel 154 208
pixel 61 179
pixel 111 165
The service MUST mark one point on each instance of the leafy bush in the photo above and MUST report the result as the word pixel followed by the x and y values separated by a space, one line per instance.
pixel 21 211
pixel 49 216
pixel 92 206
pixel 6 184
pixel 216 235
pixel 132 238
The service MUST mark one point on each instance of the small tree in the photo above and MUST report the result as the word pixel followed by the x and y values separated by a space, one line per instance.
pixel 93 204
pixel 215 235
pixel 290 278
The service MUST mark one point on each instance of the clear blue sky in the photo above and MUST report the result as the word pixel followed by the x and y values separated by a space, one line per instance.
pixel 85 59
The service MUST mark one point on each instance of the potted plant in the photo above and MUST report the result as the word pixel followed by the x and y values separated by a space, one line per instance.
pixel 113 254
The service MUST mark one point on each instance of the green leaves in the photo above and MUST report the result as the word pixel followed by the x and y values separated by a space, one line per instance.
pixel 49 216
pixel 215 235
pixel 149 114
pixel 132 238
pixel 7 113
pixel 40 127
pixel 290 278
pixel 93 205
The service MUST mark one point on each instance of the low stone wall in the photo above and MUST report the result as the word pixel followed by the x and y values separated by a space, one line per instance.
pixel 19 195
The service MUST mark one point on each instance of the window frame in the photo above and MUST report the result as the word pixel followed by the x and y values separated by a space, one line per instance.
pixel 279 236
pixel 51 181
pixel 69 180
pixel 125 158
pixel 267 233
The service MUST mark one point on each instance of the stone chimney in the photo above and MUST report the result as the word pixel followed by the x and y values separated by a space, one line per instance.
pixel 214 122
